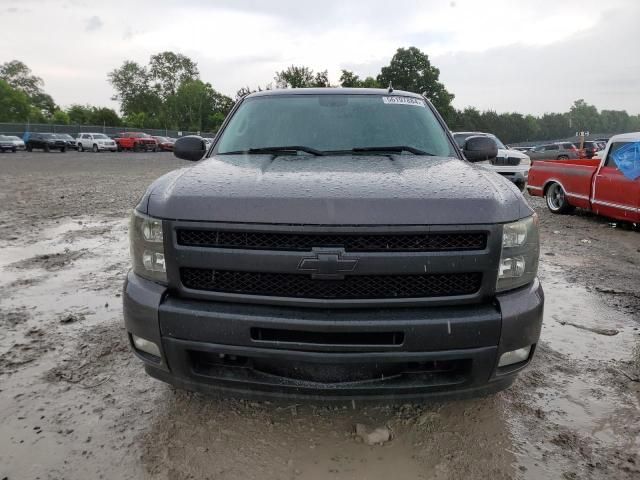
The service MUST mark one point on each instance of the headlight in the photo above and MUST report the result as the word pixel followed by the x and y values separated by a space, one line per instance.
pixel 147 247
pixel 520 251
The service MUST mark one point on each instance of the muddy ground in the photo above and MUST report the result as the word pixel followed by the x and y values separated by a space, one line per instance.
pixel 74 402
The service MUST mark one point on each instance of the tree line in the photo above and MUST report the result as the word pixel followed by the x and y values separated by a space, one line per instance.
pixel 23 99
pixel 168 93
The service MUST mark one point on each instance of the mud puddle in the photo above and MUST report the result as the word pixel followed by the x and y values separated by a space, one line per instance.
pixel 580 325
pixel 574 415
pixel 74 402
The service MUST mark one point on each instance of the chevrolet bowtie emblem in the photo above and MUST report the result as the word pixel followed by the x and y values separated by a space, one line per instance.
pixel 328 264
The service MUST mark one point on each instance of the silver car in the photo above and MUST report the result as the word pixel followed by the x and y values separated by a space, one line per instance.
pixel 554 151
pixel 15 141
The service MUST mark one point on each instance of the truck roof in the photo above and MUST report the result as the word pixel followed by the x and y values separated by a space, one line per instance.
pixel 333 91
pixel 626 137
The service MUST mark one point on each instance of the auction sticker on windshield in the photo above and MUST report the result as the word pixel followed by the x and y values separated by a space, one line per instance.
pixel 404 101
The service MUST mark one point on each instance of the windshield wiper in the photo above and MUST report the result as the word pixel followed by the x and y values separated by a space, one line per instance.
pixel 393 149
pixel 277 150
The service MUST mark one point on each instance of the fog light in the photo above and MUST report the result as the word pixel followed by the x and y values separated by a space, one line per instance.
pixel 146 346
pixel 512 267
pixel 514 356
pixel 153 261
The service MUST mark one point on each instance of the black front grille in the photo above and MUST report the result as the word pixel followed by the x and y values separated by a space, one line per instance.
pixel 351 287
pixel 421 242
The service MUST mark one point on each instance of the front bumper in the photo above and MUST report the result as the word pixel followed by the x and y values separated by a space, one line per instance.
pixel 104 146
pixel 322 354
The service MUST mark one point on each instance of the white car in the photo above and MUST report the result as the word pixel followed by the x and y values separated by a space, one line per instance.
pixel 17 141
pixel 509 163
pixel 96 142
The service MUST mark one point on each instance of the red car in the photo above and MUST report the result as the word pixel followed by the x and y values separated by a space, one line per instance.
pixel 136 141
pixel 165 144
pixel 596 184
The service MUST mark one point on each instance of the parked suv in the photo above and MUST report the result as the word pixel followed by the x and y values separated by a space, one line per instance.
pixel 554 151
pixel 96 142
pixel 44 141
pixel 509 163
pixel 332 244
pixel 68 140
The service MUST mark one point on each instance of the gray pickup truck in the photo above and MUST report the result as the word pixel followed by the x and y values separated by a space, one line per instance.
pixel 334 244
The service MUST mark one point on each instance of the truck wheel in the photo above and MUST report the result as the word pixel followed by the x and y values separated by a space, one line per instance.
pixel 95 148
pixel 557 199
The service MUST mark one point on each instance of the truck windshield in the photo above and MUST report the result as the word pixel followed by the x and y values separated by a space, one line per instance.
pixel 335 123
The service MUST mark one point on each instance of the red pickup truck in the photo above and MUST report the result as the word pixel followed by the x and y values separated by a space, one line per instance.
pixel 597 184
pixel 136 141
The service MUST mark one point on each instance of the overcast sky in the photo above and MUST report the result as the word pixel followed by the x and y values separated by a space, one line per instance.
pixel 530 56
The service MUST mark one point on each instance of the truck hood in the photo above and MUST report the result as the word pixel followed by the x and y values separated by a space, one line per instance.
pixel 335 190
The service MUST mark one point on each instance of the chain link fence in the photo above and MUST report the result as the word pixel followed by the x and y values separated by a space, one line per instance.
pixel 19 129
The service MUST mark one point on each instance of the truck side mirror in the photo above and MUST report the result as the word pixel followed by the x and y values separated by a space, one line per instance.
pixel 191 147
pixel 479 148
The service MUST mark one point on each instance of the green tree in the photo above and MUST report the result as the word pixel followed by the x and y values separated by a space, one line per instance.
pixel 104 116
pixel 19 76
pixel 14 104
pixel 60 117
pixel 370 82
pixel 167 70
pixel 350 79
pixel 132 83
pixel 552 126
pixel 469 120
pixel 584 116
pixel 301 77
pixel 79 114
pixel 294 77
pixel 200 107
pixel 411 70
pixel 614 121
pixel 321 79
pixel 192 104
pixel 136 120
